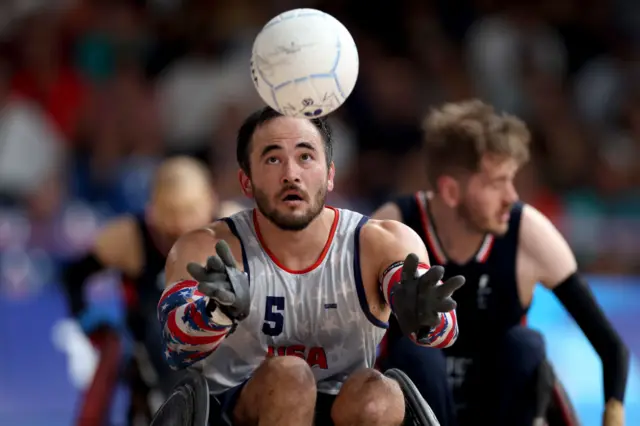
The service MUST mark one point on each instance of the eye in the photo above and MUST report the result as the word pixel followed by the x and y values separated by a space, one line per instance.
pixel 500 183
pixel 306 157
pixel 272 160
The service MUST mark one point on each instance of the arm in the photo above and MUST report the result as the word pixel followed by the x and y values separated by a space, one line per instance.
pixel 191 331
pixel 114 247
pixel 389 243
pixel 550 254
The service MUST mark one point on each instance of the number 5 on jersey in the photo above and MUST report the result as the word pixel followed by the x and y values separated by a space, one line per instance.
pixel 273 317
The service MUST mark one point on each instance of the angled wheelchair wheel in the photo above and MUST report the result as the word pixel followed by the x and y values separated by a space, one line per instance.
pixel 417 411
pixel 545 382
pixel 553 407
pixel 561 411
pixel 187 405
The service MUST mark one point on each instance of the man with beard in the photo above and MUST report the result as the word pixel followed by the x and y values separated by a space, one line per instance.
pixel 288 335
pixel 182 199
pixel 473 224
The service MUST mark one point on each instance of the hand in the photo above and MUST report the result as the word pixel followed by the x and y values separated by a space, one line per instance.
pixel 613 413
pixel 225 285
pixel 418 301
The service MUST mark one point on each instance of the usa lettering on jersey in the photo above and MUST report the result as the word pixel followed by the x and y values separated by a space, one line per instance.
pixel 315 355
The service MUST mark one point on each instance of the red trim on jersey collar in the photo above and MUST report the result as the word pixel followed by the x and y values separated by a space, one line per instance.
pixel 433 243
pixel 317 263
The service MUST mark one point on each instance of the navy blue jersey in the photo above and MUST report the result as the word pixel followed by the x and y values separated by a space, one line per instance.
pixel 488 304
pixel 143 291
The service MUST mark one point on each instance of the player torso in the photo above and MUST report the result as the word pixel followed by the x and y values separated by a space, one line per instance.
pixel 494 298
pixel 491 299
pixel 315 314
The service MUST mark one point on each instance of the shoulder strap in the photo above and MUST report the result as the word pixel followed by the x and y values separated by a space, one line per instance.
pixel 410 213
pixel 505 249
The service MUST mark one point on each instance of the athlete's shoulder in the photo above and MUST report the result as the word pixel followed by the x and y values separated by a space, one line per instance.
pixel 385 242
pixel 397 208
pixel 204 238
pixel 532 220
pixel 214 232
pixel 385 232
pixel 543 244
pixel 197 246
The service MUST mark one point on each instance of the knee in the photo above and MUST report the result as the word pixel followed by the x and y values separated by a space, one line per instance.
pixel 291 371
pixel 282 387
pixel 368 397
pixel 524 348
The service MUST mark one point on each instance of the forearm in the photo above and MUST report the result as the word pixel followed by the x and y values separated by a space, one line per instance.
pixel 74 277
pixel 441 336
pixel 579 301
pixel 190 333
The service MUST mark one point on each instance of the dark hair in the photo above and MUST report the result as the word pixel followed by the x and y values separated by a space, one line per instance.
pixel 264 115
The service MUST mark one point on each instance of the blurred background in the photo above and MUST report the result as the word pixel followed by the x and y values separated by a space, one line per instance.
pixel 94 93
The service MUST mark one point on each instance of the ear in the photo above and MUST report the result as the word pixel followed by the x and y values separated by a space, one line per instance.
pixel 331 177
pixel 245 184
pixel 450 191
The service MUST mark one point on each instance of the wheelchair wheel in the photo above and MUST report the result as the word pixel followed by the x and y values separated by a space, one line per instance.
pixel 187 405
pixel 561 411
pixel 553 407
pixel 417 411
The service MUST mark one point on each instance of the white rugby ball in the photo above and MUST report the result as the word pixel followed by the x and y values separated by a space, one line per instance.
pixel 304 63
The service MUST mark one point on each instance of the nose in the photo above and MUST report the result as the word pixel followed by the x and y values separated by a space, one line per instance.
pixel 290 172
pixel 511 195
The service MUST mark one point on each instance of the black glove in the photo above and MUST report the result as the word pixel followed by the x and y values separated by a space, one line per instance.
pixel 418 301
pixel 225 285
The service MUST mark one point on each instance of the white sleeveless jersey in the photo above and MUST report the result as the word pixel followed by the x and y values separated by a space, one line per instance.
pixel 319 314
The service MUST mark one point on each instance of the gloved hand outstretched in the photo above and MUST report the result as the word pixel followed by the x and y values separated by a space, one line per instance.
pixel 226 286
pixel 419 300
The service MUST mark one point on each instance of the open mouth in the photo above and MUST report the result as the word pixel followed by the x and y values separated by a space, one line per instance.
pixel 292 196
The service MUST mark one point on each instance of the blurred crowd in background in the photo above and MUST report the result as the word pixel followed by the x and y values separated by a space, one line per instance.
pixel 94 93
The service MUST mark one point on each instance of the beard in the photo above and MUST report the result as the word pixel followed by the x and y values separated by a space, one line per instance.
pixel 476 222
pixel 290 221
